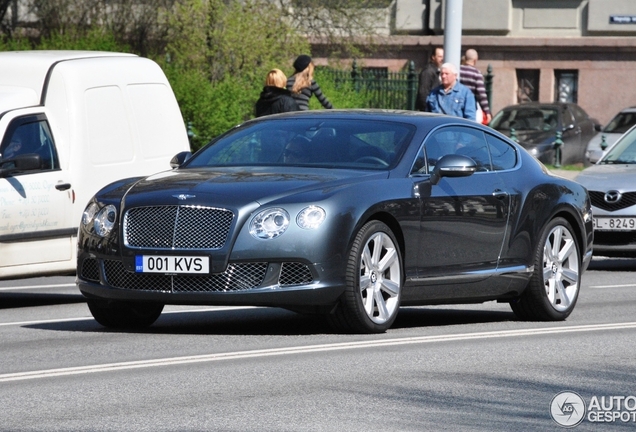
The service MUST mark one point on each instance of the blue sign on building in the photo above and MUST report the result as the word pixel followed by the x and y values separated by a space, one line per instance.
pixel 622 19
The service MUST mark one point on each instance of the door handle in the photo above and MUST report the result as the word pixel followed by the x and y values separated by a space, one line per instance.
pixel 63 186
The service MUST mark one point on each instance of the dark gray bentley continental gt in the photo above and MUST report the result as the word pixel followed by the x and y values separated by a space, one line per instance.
pixel 349 214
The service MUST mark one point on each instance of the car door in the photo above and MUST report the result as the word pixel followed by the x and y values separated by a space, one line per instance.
pixel 35 204
pixel 463 220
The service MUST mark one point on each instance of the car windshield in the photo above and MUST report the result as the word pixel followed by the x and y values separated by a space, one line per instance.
pixel 621 123
pixel 624 151
pixel 526 119
pixel 362 144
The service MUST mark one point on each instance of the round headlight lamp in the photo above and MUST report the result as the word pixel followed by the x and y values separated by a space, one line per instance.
pixel 269 223
pixel 311 217
pixel 105 220
pixel 89 213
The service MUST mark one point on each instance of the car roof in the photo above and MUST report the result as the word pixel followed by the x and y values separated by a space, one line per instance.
pixel 412 117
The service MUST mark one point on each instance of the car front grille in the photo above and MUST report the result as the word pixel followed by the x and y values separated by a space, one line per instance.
pixel 627 199
pixel 237 277
pixel 293 273
pixel 177 227
pixel 90 270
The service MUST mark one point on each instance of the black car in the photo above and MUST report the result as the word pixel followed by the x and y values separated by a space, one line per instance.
pixel 535 125
pixel 349 214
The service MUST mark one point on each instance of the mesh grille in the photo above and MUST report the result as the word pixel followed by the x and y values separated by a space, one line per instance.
pixel 90 270
pixel 237 277
pixel 628 199
pixel 292 273
pixel 177 227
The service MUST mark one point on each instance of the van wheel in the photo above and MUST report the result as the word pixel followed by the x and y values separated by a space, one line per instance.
pixel 124 315
pixel 373 291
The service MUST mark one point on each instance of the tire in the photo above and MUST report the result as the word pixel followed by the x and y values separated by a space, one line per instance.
pixel 553 289
pixel 374 282
pixel 124 315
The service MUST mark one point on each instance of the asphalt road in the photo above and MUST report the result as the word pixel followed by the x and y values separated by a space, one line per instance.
pixel 443 368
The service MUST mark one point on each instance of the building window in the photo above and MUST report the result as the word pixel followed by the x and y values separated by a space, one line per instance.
pixel 567 83
pixel 527 85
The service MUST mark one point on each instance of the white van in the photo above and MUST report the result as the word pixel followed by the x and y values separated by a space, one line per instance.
pixel 70 123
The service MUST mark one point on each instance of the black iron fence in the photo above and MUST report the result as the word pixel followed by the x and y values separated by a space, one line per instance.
pixel 389 90
pixel 383 89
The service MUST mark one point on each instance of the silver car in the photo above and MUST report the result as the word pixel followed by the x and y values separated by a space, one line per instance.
pixel 611 132
pixel 612 188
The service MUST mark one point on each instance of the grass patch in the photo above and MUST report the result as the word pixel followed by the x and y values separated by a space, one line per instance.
pixel 575 167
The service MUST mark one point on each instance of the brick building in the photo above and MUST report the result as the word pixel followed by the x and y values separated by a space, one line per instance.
pixel 545 50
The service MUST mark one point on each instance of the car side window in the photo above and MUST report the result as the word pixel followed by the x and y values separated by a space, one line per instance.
pixel 30 136
pixel 568 118
pixel 579 114
pixel 458 140
pixel 503 155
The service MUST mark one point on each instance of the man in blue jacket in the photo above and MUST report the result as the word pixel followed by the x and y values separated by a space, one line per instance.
pixel 451 97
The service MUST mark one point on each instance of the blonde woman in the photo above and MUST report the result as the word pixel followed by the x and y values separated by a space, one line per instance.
pixel 302 84
pixel 275 98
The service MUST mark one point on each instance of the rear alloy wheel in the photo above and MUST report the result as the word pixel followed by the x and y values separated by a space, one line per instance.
pixel 124 315
pixel 554 286
pixel 374 282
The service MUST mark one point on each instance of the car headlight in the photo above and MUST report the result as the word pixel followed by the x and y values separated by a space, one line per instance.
pixel 105 220
pixel 269 223
pixel 89 213
pixel 311 217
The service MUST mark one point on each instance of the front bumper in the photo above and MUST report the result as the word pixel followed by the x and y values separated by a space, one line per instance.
pixel 279 284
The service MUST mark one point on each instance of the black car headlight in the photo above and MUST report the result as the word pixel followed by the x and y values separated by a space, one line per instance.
pixel 103 220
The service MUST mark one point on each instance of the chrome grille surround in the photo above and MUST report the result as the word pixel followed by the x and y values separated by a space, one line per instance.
pixel 177 227
pixel 237 277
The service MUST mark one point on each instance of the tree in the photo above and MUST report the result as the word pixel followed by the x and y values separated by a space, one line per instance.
pixel 230 46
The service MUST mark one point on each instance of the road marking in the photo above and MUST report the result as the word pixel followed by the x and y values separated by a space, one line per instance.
pixel 17 288
pixel 612 286
pixel 171 361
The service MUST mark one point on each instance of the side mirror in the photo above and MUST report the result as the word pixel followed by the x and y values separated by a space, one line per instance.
pixel 179 159
pixel 595 155
pixel 453 165
pixel 568 127
pixel 25 162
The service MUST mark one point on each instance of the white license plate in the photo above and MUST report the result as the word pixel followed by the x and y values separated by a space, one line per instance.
pixel 172 264
pixel 615 224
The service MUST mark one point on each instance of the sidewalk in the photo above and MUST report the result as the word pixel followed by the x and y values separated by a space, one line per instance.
pixel 568 174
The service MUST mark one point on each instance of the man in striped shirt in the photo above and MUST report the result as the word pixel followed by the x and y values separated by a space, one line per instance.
pixel 472 78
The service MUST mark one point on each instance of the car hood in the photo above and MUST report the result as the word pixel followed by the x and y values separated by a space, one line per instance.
pixel 233 187
pixel 609 177
pixel 595 142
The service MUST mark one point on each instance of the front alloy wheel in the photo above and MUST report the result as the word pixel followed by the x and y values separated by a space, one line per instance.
pixel 554 287
pixel 374 282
